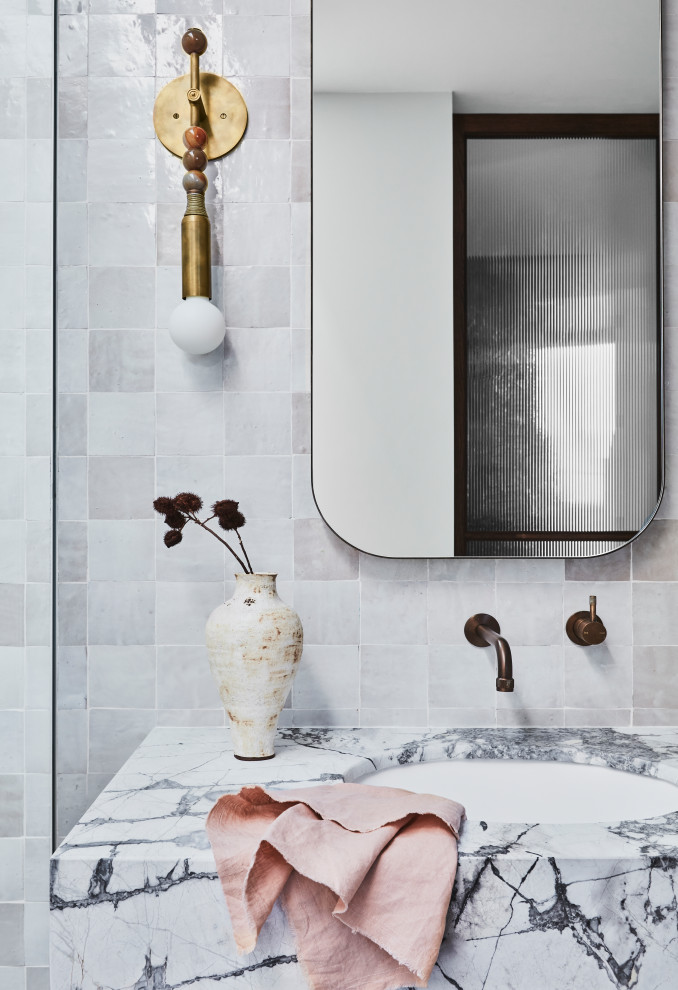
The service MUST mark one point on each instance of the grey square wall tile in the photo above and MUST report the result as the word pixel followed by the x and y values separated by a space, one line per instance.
pixel 270 547
pixel 320 555
pixel 72 425
pixel 107 182
pixel 329 611
pixel 257 46
pixel 122 298
pixel 268 103
pixel 461 675
pixel 460 569
pixel 11 742
pixel 655 552
pixel 257 297
pixel 72 551
pixel 183 608
pixel 38 803
pixel 393 612
pixel 615 566
pixel 262 485
pixel 121 423
pixel 258 172
pixel 258 423
pixel 598 676
pixel 121 612
pixel 121 550
pixel 38 614
pixel 530 716
pixel 72 749
pixel 114 734
pixel 177 371
pixel 72 675
pixel 38 679
pixel 11 615
pixel 11 487
pixel 193 473
pixel 199 556
pixel 184 678
pixel 71 614
pixel 12 672
pixel 122 676
pixel 121 234
pixel 394 677
pixel 190 423
pixel 540 624
pixel 121 487
pixel 72 487
pixel 121 360
pixel 11 934
pixel 451 604
pixel 122 45
pixel 11 869
pixel 257 360
pixel 654 677
pixel 328 677
pixel 12 804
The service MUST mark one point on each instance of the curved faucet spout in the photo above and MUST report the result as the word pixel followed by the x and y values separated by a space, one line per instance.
pixel 504 658
pixel 483 630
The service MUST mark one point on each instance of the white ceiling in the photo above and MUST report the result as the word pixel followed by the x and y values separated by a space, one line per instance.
pixel 499 56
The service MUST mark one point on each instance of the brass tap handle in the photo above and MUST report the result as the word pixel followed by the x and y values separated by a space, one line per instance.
pixel 586 628
pixel 194 43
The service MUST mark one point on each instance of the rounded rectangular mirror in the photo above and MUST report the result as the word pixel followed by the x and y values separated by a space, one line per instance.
pixel 486 367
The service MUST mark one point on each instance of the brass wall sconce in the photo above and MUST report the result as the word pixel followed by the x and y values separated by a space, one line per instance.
pixel 198 117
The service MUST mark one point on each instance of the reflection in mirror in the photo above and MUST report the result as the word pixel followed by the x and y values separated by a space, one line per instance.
pixel 486 325
pixel 557 330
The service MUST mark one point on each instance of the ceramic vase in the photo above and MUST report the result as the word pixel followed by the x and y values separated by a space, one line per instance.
pixel 254 642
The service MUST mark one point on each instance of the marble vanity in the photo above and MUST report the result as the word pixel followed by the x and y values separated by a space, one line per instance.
pixel 136 904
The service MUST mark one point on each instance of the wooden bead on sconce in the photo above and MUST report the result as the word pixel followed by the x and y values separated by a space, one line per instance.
pixel 194 158
pixel 194 42
pixel 195 137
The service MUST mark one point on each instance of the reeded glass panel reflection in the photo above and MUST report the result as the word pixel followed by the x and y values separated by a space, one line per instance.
pixel 561 342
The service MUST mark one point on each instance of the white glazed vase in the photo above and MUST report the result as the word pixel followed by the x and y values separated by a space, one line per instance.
pixel 254 643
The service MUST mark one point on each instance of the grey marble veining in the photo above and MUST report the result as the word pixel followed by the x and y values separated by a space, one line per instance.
pixel 136 904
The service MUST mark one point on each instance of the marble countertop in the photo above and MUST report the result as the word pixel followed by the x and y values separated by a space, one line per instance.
pixel 155 807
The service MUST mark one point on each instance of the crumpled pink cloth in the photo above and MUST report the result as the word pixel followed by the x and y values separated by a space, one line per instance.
pixel 365 875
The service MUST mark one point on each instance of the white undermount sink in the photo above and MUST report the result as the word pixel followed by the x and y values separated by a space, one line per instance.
pixel 535 791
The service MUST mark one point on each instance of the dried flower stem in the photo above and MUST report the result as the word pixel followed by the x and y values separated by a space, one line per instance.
pixel 246 569
pixel 244 551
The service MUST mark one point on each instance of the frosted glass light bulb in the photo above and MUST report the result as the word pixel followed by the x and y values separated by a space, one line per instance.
pixel 196 326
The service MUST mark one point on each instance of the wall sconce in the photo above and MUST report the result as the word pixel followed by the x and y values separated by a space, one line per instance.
pixel 198 117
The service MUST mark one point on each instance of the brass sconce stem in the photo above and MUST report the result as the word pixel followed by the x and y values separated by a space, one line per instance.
pixel 196 252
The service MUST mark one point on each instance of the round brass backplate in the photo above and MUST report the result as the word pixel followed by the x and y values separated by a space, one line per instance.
pixel 471 628
pixel 225 114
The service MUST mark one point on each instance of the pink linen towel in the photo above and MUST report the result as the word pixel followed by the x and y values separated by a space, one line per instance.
pixel 365 874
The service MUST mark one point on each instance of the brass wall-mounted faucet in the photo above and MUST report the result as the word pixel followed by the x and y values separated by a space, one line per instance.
pixel 483 630
pixel 586 628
